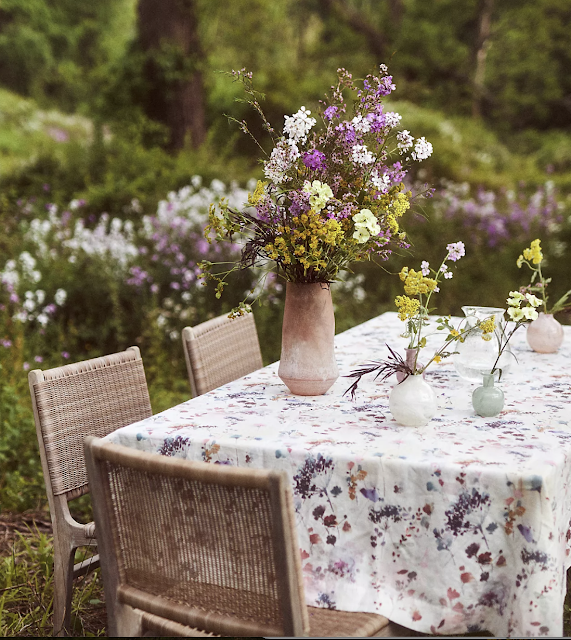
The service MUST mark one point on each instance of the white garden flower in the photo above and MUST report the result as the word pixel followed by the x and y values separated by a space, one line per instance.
pixel 533 300
pixel 361 155
pixel 529 313
pixel 366 219
pixel 392 119
pixel 320 194
pixel 299 125
pixel 425 268
pixel 382 183
pixel 361 234
pixel 515 313
pixel 60 297
pixel 422 149
pixel 281 160
pixel 405 140
pixel 360 124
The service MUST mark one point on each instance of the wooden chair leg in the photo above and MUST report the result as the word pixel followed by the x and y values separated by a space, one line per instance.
pixel 63 583
pixel 128 621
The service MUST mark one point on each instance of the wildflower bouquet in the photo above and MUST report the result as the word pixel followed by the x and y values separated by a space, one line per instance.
pixel 533 257
pixel 520 315
pixel 413 308
pixel 333 195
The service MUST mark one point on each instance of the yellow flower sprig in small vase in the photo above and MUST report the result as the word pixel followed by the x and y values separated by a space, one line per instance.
pixel 413 401
pixel 488 400
pixel 544 335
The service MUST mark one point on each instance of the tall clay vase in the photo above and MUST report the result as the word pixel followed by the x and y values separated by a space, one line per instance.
pixel 488 400
pixel 307 364
pixel 545 335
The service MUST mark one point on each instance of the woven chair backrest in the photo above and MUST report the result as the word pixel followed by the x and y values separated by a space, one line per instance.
pixel 94 397
pixel 207 541
pixel 221 350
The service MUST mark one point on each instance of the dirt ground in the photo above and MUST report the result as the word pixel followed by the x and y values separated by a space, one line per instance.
pixel 24 523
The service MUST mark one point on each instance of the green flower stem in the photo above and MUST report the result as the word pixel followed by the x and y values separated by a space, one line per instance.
pixel 422 316
pixel 502 348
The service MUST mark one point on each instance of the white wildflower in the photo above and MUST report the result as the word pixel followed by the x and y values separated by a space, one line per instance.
pixel 361 155
pixel 299 125
pixel 60 297
pixel 422 149
pixel 360 124
pixel 392 119
pixel 405 140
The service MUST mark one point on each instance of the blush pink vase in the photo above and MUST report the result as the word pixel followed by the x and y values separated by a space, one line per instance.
pixel 409 359
pixel 307 364
pixel 545 335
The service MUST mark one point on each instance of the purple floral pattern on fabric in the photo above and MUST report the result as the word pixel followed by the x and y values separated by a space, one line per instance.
pixel 456 527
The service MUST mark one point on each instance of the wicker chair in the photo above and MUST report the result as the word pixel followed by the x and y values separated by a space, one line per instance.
pixel 194 549
pixel 219 351
pixel 93 397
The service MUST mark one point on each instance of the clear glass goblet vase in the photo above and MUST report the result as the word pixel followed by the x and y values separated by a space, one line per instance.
pixel 476 356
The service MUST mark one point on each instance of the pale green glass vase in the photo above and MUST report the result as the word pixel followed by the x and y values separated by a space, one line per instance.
pixel 488 400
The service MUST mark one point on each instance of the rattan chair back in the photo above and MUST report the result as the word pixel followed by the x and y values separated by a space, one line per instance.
pixel 209 547
pixel 94 397
pixel 220 350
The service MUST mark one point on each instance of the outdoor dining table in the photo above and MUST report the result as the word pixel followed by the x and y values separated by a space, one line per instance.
pixel 458 526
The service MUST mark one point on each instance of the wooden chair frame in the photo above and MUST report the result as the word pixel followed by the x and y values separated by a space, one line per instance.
pixel 69 534
pixel 135 610
pixel 219 351
pixel 132 612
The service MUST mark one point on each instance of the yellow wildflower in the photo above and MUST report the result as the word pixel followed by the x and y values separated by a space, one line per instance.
pixel 400 204
pixel 487 326
pixel 454 332
pixel 393 224
pixel 258 194
pixel 533 253
pixel 407 307
pixel 437 359
pixel 415 283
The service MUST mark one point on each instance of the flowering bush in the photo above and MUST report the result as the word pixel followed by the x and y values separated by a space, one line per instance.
pixel 498 217
pixel 533 257
pixel 73 280
pixel 333 195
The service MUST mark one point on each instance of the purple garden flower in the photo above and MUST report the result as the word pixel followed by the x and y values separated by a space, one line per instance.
pixel 315 160
pixel 331 112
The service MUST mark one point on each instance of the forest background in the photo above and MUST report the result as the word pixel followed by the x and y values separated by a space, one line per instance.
pixel 114 138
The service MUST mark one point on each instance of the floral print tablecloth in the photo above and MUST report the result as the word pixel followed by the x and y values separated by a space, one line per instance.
pixel 458 526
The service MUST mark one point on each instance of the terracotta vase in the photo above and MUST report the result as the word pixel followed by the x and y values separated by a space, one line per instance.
pixel 409 359
pixel 307 364
pixel 545 335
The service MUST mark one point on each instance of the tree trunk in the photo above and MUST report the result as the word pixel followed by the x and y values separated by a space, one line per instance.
pixel 485 11
pixel 376 40
pixel 168 33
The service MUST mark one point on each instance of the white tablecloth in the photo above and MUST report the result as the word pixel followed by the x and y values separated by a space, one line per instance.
pixel 458 526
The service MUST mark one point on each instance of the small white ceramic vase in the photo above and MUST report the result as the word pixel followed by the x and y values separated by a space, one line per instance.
pixel 545 335
pixel 413 402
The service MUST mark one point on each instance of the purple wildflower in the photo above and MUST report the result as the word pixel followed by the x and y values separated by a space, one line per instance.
pixel 331 112
pixel 315 160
